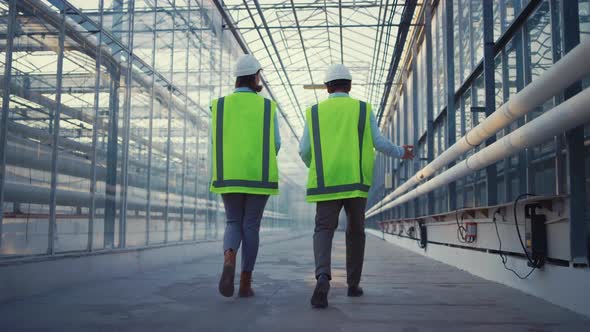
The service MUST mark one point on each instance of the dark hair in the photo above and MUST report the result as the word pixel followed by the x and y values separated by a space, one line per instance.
pixel 340 85
pixel 248 81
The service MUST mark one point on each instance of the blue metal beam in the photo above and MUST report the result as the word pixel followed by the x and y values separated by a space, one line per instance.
pixel 429 97
pixel 489 86
pixel 451 134
pixel 579 225
pixel 11 26
pixel 400 44
pixel 95 128
pixel 55 137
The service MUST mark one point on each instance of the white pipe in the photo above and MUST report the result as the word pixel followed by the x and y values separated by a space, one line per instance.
pixel 26 193
pixel 567 115
pixel 573 67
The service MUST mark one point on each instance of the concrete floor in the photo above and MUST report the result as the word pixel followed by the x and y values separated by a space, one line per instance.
pixel 403 292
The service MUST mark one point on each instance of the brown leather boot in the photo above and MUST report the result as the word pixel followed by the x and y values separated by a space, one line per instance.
pixel 246 285
pixel 226 283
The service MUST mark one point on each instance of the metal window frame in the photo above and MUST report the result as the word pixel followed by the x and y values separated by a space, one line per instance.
pixel 55 138
pixel 11 26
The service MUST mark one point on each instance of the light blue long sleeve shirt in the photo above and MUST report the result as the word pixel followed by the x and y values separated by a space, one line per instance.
pixel 380 143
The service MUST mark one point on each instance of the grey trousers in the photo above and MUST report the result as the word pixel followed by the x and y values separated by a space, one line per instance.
pixel 243 214
pixel 326 222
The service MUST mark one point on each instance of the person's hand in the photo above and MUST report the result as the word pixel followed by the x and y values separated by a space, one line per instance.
pixel 408 152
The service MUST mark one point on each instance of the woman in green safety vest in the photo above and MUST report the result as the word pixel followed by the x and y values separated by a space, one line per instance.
pixel 246 142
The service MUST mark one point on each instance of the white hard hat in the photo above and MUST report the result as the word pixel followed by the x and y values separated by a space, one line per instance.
pixel 337 72
pixel 246 65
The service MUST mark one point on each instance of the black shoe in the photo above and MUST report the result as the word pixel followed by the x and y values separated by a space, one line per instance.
pixel 319 298
pixel 355 291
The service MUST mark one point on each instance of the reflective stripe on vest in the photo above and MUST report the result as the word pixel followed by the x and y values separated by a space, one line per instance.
pixel 319 162
pixel 259 182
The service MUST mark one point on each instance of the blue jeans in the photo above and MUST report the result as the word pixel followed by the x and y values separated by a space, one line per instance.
pixel 243 214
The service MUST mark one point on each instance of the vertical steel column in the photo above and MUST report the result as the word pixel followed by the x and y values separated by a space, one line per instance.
pixel 527 167
pixel 490 96
pixel 113 140
pixel 399 173
pixel 341 35
pixel 55 136
pixel 11 25
pixel 405 139
pixel 579 225
pixel 196 183
pixel 148 212
pixel 208 197
pixel 220 80
pixel 429 95
pixel 169 139
pixel 505 97
pixel 417 161
pixel 126 129
pixel 463 111
pixel 451 134
pixel 559 140
pixel 186 120
pixel 112 157
pixel 391 161
pixel 461 50
pixel 462 65
pixel 95 128
pixel 519 41
pixel 197 176
pixel 397 141
pixel 474 96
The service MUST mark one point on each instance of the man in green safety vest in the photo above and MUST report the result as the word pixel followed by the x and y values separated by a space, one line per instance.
pixel 337 145
pixel 246 141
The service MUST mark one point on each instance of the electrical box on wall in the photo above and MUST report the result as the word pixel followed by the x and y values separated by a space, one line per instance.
pixel 423 235
pixel 535 234
pixel 470 232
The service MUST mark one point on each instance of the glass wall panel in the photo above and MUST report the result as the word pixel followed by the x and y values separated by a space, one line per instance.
pixel 504 13
pixel 133 153
pixel 476 9
pixel 531 50
pixel 77 122
pixel 31 123
pixel 540 50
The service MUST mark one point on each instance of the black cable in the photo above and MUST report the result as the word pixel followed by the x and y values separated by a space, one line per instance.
pixel 534 262
pixel 460 236
pixel 501 254
pixel 410 232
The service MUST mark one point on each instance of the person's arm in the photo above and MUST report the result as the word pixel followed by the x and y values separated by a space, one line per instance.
pixel 277 135
pixel 305 147
pixel 382 144
pixel 211 146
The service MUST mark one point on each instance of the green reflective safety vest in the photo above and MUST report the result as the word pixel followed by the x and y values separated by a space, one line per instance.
pixel 342 152
pixel 244 152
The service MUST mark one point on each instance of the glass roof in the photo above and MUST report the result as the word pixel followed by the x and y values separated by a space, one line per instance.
pixel 295 41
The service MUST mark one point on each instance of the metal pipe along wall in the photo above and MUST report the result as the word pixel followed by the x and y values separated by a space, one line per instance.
pixel 567 115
